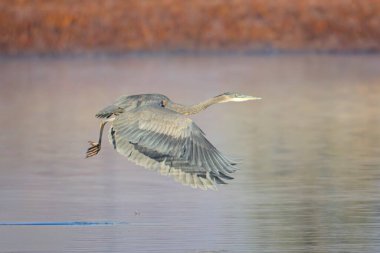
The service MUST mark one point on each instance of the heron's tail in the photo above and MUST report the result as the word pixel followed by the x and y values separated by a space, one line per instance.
pixel 109 111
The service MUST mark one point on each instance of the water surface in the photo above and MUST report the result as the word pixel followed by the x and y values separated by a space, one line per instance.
pixel 309 180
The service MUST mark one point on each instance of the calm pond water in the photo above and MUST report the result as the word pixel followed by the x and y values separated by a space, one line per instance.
pixel 309 180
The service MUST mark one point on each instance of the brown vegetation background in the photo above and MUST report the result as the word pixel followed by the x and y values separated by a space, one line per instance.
pixel 73 26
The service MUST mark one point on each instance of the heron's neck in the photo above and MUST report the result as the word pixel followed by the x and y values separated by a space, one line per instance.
pixel 187 110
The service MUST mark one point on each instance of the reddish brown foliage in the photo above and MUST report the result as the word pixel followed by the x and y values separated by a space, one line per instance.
pixel 41 26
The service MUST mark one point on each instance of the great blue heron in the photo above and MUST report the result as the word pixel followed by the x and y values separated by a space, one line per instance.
pixel 154 132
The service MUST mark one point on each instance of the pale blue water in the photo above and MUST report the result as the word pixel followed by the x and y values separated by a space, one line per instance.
pixel 309 179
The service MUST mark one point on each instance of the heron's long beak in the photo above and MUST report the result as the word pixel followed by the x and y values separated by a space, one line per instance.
pixel 242 98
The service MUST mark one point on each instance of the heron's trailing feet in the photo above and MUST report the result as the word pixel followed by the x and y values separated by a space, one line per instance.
pixel 96 146
pixel 93 150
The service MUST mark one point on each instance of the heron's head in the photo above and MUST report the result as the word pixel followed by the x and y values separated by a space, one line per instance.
pixel 234 97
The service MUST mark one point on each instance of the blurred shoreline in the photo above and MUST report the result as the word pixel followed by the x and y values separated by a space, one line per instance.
pixel 179 27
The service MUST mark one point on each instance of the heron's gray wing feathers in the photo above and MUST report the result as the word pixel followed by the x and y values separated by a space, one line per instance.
pixel 170 143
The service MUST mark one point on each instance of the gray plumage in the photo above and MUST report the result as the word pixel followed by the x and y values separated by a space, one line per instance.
pixel 152 131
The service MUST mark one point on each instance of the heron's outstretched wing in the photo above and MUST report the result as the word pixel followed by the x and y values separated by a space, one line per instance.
pixel 170 143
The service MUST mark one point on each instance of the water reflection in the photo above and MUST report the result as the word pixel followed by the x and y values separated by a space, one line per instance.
pixel 309 181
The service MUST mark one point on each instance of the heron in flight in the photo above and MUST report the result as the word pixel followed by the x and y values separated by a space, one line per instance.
pixel 154 132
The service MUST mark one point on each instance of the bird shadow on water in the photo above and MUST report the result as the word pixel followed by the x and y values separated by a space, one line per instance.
pixel 65 223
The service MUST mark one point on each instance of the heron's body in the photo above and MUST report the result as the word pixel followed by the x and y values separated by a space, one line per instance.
pixel 154 132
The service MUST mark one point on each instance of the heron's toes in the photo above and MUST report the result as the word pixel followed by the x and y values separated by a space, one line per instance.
pixel 93 150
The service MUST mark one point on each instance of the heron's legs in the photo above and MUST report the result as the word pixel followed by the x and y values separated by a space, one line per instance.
pixel 95 146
